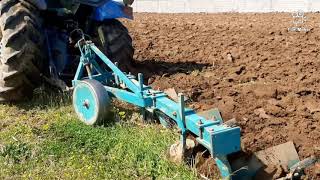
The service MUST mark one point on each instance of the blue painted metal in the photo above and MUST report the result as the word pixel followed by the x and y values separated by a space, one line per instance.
pixel 91 101
pixel 111 10
pixel 95 3
pixel 84 94
pixel 212 114
pixel 303 164
pixel 104 9
pixel 57 42
pixel 41 4
pixel 220 139
pixel 224 167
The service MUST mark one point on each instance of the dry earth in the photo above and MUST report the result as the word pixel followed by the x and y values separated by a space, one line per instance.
pixel 247 65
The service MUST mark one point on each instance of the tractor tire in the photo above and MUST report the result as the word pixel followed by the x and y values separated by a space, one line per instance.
pixel 116 42
pixel 21 58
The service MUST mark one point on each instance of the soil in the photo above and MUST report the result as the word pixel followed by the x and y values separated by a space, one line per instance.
pixel 248 65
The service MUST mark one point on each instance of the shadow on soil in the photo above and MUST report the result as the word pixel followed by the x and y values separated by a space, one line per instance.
pixel 47 96
pixel 161 68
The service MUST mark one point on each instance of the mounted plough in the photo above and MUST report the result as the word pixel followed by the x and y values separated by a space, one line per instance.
pixel 97 80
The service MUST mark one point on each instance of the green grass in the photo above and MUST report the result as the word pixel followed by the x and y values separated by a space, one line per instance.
pixel 45 140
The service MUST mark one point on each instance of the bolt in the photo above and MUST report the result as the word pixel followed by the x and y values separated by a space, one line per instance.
pixel 86 103
pixel 174 113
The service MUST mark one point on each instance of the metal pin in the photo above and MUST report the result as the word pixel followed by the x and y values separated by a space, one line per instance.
pixel 182 107
pixel 116 78
pixel 88 68
pixel 184 142
pixel 200 128
pixel 140 79
pixel 86 103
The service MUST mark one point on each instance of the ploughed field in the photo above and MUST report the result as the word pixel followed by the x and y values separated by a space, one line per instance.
pixel 247 65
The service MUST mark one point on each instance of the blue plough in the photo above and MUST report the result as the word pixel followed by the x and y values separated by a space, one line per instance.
pixel 97 80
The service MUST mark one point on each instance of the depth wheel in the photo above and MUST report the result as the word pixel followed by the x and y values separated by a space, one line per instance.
pixel 91 102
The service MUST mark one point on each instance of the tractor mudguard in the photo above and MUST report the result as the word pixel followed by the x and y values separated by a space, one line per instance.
pixel 95 3
pixel 104 9
pixel 112 10
pixel 40 4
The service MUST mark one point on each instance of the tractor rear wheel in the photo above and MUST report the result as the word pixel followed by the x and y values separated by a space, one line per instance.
pixel 21 60
pixel 116 42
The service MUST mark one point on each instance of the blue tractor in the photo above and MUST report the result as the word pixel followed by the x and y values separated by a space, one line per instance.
pixel 38 39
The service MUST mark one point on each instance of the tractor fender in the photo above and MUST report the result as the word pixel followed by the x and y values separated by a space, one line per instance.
pixel 112 10
pixel 40 4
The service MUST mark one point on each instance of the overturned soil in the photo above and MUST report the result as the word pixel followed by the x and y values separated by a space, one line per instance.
pixel 248 65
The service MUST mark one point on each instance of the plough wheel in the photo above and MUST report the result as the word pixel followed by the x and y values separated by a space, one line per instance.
pixel 91 102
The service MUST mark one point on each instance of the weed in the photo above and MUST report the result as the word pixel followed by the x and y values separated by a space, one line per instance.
pixel 15 152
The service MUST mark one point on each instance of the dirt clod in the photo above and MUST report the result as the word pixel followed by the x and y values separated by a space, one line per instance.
pixel 261 113
pixel 317 169
pixel 230 58
pixel 176 154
